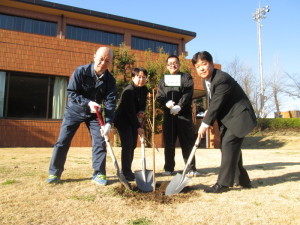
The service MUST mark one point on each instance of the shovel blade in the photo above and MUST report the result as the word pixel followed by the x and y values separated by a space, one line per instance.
pixel 177 184
pixel 143 180
pixel 123 180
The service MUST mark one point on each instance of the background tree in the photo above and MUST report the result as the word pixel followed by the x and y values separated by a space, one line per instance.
pixel 185 64
pixel 293 88
pixel 123 62
pixel 244 75
pixel 155 64
pixel 276 85
pixel 122 65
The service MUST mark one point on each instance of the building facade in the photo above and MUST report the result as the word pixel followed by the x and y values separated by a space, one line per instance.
pixel 42 43
pixel 288 114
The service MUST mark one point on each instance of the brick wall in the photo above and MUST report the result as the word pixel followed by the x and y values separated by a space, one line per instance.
pixel 37 133
pixel 44 133
pixel 42 54
pixel 33 53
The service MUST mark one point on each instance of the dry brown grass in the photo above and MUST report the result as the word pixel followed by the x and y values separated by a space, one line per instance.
pixel 26 199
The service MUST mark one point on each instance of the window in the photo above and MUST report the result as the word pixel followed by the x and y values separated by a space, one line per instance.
pixel 146 44
pixel 96 36
pixel 28 25
pixel 34 96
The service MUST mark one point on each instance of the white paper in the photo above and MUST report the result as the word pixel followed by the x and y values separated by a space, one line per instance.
pixel 172 80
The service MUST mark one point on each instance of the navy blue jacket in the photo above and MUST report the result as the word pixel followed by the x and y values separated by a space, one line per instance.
pixel 83 88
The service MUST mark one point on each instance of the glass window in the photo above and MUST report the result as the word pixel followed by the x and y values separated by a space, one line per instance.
pixel 96 36
pixel 27 96
pixel 27 25
pixel 145 44
pixel 2 91
pixel 33 96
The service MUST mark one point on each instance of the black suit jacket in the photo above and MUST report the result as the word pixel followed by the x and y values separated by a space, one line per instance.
pixel 229 105
pixel 133 99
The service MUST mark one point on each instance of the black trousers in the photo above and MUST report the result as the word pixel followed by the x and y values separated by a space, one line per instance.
pixel 128 136
pixel 231 169
pixel 181 127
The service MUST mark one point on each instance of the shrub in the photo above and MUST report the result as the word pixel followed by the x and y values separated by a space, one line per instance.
pixel 278 123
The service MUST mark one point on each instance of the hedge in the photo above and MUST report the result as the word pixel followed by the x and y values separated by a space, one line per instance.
pixel 278 123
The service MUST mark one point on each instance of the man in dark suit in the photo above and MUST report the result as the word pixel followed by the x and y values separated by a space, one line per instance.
pixel 231 108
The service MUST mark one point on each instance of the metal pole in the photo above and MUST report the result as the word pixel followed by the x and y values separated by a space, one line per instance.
pixel 262 107
pixel 257 16
pixel 153 137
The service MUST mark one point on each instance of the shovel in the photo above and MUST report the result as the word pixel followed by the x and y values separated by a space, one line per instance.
pixel 180 180
pixel 144 178
pixel 120 176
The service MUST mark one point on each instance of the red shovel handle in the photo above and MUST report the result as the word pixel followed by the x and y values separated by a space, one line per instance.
pixel 100 118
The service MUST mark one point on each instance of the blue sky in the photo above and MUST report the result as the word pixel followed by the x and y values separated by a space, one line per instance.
pixel 224 28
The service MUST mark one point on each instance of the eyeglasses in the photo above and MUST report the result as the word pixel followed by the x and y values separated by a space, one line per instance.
pixel 173 64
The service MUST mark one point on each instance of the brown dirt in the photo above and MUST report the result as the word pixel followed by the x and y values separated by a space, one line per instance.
pixel 158 196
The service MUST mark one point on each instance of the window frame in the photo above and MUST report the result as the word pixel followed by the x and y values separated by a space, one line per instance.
pixel 145 44
pixel 48 92
pixel 79 33
pixel 28 25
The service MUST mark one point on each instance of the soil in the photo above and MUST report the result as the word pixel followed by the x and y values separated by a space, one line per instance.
pixel 157 196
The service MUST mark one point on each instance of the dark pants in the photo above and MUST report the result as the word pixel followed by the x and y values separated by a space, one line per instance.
pixel 232 169
pixel 128 136
pixel 181 127
pixel 68 129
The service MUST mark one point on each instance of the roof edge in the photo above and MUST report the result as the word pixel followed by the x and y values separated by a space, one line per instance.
pixel 106 16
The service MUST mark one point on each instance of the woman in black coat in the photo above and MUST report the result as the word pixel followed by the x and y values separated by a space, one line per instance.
pixel 128 117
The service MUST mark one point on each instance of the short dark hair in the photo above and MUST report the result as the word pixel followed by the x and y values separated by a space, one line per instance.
pixel 172 56
pixel 204 55
pixel 136 71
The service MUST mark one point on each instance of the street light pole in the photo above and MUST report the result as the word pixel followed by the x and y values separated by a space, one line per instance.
pixel 257 16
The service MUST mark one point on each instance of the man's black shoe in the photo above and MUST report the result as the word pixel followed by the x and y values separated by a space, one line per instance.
pixel 217 188
pixel 247 185
pixel 129 177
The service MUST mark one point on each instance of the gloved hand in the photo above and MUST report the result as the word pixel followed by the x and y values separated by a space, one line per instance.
pixel 105 130
pixel 140 115
pixel 141 132
pixel 175 110
pixel 170 104
pixel 92 105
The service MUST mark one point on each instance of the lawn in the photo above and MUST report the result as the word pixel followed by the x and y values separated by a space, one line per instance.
pixel 27 199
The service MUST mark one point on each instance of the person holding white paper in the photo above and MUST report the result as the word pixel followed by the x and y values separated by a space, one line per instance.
pixel 175 92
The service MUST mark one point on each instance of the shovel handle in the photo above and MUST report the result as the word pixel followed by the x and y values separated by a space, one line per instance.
pixel 99 116
pixel 143 152
pixel 197 142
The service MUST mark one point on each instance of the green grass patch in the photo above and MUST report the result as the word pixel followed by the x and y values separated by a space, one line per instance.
pixel 8 182
pixel 140 221
pixel 89 198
